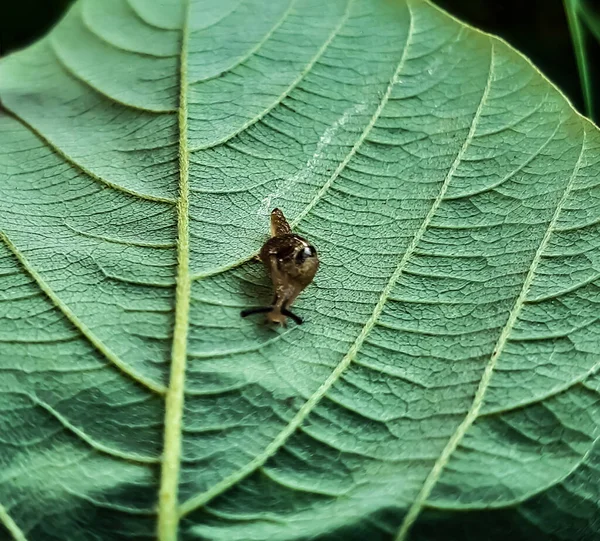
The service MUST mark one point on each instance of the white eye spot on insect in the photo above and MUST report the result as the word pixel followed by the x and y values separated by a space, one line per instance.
pixel 304 254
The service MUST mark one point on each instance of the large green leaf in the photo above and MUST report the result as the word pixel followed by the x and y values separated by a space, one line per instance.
pixel 444 385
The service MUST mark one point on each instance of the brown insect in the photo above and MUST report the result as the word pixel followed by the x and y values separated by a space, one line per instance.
pixel 292 263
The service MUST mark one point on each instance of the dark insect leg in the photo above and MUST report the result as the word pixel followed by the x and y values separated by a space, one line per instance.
pixel 256 310
pixel 296 318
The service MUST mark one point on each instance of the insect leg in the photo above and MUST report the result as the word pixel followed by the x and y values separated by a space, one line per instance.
pixel 256 310
pixel 296 318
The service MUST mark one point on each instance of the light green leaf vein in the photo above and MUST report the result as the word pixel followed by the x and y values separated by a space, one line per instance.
pixel 254 49
pixel 78 324
pixel 201 499
pixel 111 240
pixel 581 379
pixel 291 87
pixel 11 525
pixel 89 173
pixel 168 520
pixel 528 495
pixel 115 453
pixel 73 73
pixel 473 413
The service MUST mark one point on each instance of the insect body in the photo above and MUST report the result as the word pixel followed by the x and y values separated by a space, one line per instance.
pixel 292 263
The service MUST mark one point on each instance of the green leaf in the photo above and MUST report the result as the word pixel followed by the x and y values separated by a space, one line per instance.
pixel 444 385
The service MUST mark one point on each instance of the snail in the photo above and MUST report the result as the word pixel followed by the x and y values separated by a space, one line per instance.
pixel 291 262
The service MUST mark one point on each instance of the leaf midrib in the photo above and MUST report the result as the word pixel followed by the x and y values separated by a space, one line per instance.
pixel 168 519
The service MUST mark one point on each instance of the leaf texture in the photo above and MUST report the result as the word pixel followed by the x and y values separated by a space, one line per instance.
pixel 445 384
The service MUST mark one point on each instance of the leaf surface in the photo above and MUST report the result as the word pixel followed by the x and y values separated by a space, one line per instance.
pixel 445 383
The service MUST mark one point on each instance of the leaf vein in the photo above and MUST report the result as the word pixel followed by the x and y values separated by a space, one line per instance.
pixel 254 49
pixel 85 19
pixel 565 291
pixel 579 380
pixel 11 525
pixel 144 20
pixel 122 242
pixel 291 87
pixel 226 483
pixel 72 162
pixel 506 178
pixel 473 412
pixel 528 495
pixel 97 90
pixel 168 519
pixel 100 447
pixel 78 324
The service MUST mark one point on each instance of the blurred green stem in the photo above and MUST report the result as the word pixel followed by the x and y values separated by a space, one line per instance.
pixel 572 11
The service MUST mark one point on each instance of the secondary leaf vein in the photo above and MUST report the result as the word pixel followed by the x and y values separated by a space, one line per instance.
pixel 71 161
pixel 11 525
pixel 100 447
pixel 78 324
pixel 291 87
pixel 63 63
pixel 309 405
pixel 254 49
pixel 473 413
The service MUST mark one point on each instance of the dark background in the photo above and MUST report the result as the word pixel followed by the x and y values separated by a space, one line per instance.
pixel 538 28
